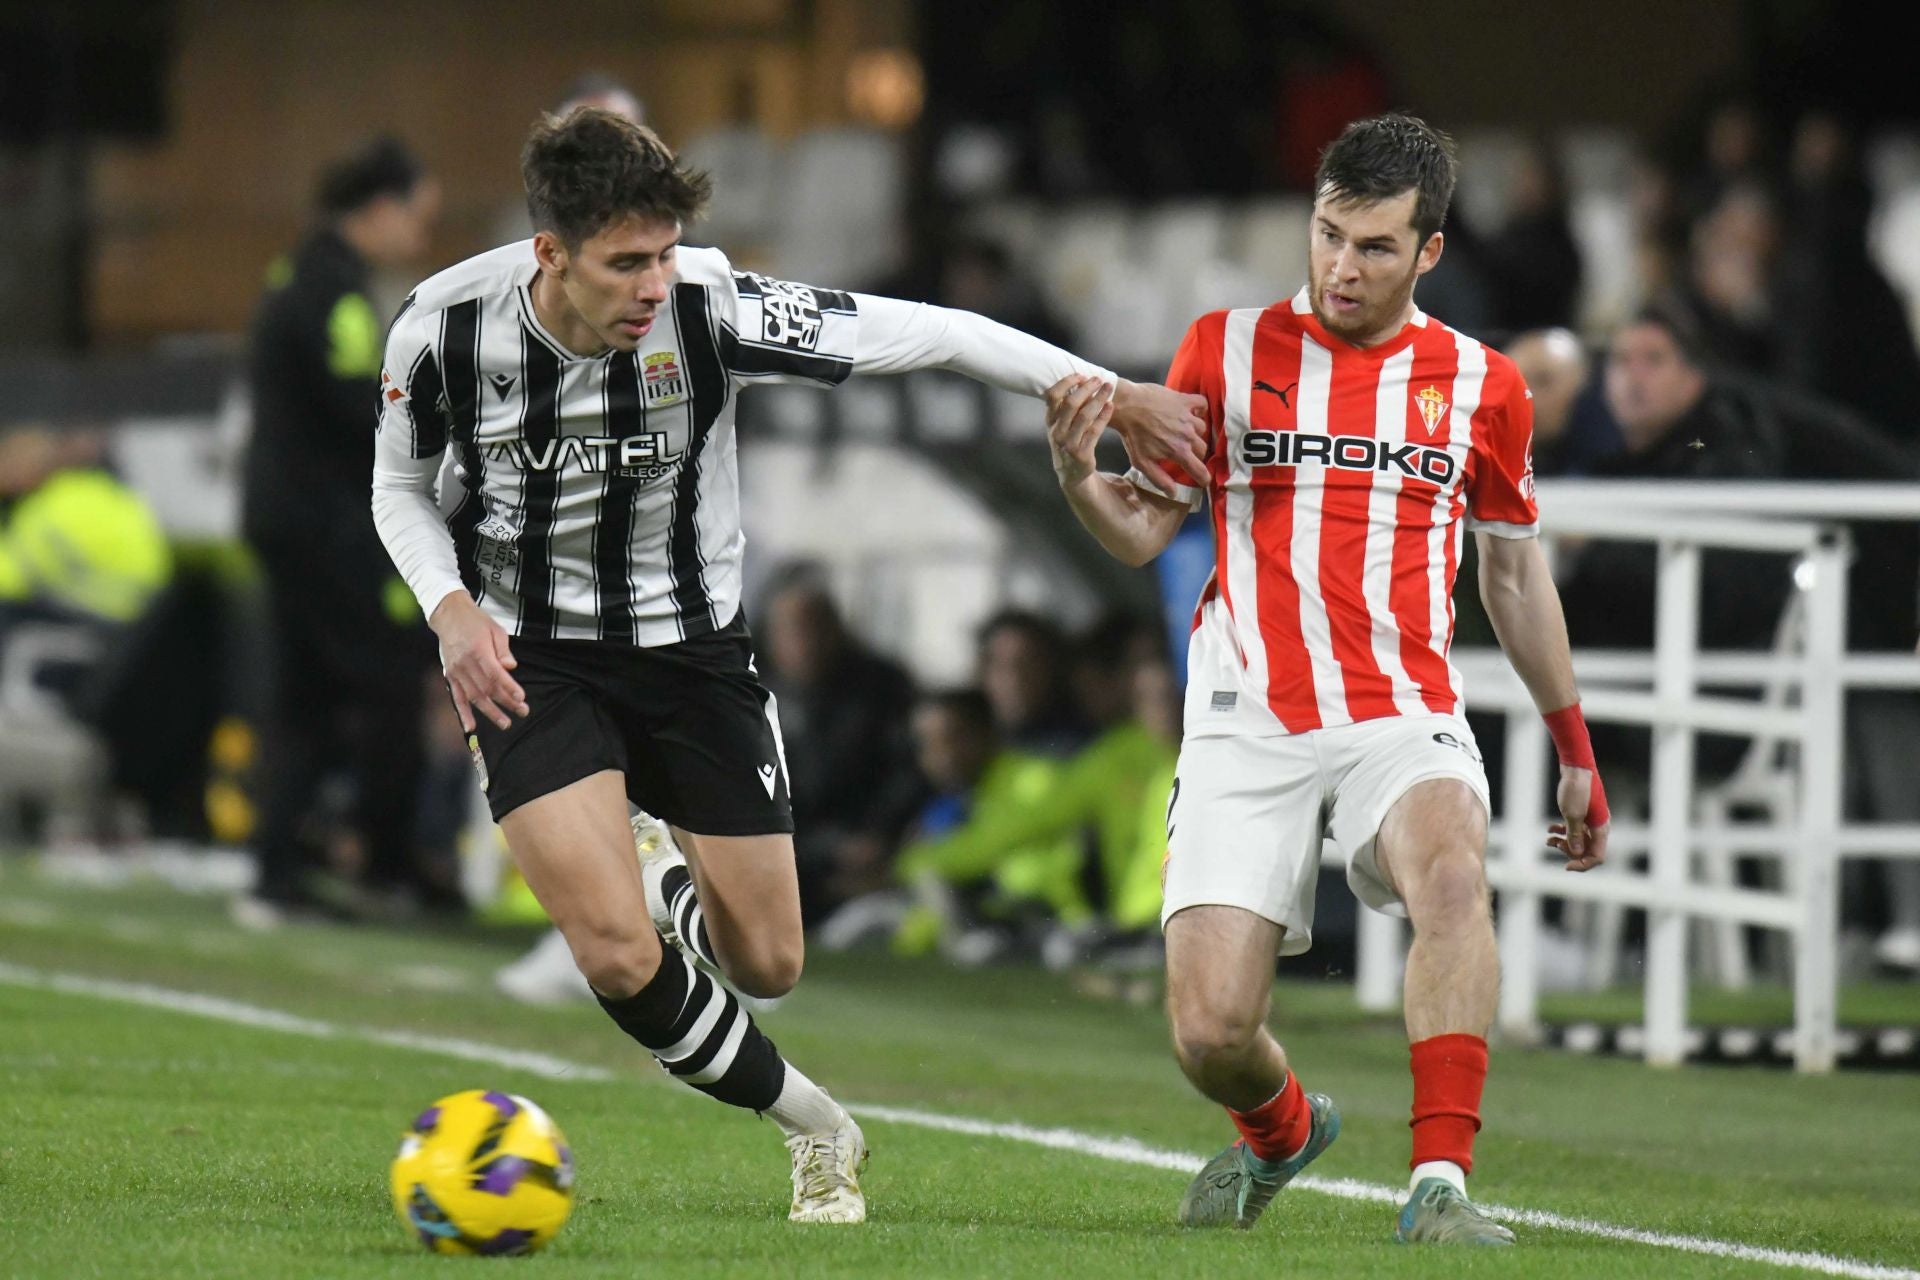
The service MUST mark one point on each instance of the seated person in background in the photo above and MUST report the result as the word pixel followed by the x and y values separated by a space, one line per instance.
pixel 1100 669
pixel 1556 368
pixel 76 545
pixel 843 713
pixel 1020 661
pixel 82 561
pixel 1117 787
pixel 979 783
pixel 1678 423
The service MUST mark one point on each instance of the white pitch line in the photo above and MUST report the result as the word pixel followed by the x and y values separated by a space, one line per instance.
pixel 250 1015
pixel 1128 1151
pixel 1120 1150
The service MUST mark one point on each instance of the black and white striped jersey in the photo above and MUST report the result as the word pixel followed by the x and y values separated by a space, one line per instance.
pixel 598 497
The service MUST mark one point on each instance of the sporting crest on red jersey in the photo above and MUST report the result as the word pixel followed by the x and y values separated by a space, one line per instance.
pixel 1433 405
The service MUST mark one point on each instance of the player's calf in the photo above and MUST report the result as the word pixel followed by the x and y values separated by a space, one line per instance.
pixel 768 970
pixel 674 905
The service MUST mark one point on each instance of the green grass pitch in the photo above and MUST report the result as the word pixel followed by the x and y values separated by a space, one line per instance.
pixel 139 1141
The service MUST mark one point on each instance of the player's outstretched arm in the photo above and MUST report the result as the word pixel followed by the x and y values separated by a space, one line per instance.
pixel 1159 426
pixel 1133 524
pixel 1524 607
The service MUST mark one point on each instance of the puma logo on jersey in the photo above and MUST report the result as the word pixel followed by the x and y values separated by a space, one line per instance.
pixel 1348 453
pixel 767 774
pixel 1271 390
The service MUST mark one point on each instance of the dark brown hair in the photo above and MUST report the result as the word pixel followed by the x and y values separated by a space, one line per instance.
pixel 591 168
pixel 1381 157
pixel 1671 316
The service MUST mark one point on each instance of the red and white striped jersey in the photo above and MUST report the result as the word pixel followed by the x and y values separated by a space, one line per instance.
pixel 1339 478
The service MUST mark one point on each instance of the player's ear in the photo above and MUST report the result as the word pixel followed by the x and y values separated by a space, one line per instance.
pixel 551 253
pixel 1430 253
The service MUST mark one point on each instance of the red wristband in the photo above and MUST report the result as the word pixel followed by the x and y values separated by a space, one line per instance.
pixel 1575 748
pixel 1569 730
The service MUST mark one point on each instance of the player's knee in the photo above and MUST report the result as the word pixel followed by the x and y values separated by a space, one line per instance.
pixel 616 962
pixel 1452 890
pixel 1208 1036
pixel 769 972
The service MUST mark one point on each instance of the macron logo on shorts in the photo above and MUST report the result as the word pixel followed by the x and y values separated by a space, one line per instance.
pixel 767 774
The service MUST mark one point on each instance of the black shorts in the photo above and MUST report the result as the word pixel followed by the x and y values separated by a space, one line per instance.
pixel 689 724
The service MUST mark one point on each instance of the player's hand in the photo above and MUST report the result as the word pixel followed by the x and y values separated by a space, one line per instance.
pixel 1078 410
pixel 476 657
pixel 1163 429
pixel 1585 847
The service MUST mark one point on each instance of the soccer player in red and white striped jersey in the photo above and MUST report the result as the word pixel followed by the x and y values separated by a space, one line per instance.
pixel 1354 440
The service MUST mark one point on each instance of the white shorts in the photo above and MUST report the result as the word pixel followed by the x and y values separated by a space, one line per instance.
pixel 1248 814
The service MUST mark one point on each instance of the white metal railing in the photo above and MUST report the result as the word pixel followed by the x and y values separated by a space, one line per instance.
pixel 1664 689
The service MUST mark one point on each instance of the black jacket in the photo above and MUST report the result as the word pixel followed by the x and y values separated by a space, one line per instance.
pixel 1750 430
pixel 315 376
pixel 1609 594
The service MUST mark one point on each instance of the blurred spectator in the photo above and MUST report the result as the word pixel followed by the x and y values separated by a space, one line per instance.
pixel 978 276
pixel 82 559
pixel 1556 368
pixel 77 547
pixel 1020 658
pixel 1680 422
pixel 1108 788
pixel 1841 329
pixel 1732 250
pixel 1732 148
pixel 1103 662
pixel 1677 424
pixel 1530 269
pixel 1659 229
pixel 843 713
pixel 349 648
pixel 973 912
pixel 75 543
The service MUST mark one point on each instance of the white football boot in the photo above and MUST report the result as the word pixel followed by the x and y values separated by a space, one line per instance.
pixel 826 1174
pixel 653 845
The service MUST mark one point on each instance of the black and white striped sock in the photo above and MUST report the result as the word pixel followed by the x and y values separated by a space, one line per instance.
pixel 683 908
pixel 699 1032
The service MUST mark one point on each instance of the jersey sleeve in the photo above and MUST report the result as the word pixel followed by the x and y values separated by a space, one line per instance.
pixel 782 331
pixel 1500 469
pixel 1196 370
pixel 410 438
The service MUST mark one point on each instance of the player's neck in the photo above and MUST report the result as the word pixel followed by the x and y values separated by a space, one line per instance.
pixel 1388 332
pixel 557 316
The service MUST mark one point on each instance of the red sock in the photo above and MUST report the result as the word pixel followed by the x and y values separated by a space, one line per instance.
pixel 1448 1074
pixel 1278 1127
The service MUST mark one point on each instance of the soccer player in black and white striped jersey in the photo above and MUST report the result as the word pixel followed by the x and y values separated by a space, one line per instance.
pixel 581 569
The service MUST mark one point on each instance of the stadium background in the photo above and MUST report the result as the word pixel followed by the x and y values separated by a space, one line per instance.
pixel 1096 173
